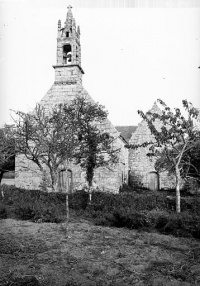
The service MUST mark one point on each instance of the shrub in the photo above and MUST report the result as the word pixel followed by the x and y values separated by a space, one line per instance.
pixel 126 189
pixel 121 218
pixel 50 216
pixel 161 222
pixel 25 212
pixel 38 212
pixel 78 200
pixel 3 211
pixel 190 204
pixel 157 216
pixel 35 205
pixel 183 224
pixel 105 219
pixel 130 210
pixel 134 220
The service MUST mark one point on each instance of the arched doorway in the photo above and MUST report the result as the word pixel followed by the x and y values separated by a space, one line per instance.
pixel 153 181
pixel 65 181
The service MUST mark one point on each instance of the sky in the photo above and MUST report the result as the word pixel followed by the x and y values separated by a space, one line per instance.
pixel 131 56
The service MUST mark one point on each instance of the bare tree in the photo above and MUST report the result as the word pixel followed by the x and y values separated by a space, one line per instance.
pixel 46 138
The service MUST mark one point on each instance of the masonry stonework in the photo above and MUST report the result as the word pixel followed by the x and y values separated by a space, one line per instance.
pixel 133 165
pixel 68 85
pixel 142 170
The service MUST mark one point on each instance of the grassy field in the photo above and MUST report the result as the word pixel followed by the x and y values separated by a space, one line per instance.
pixel 117 240
pixel 87 255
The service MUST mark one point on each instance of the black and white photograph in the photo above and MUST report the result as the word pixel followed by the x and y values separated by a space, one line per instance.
pixel 99 142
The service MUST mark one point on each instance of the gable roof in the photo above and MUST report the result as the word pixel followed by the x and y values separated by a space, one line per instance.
pixel 142 132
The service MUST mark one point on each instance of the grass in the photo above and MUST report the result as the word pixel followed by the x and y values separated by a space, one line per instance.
pixel 115 240
pixel 86 254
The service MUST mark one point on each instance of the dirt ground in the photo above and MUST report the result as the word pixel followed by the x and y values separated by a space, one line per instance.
pixel 91 255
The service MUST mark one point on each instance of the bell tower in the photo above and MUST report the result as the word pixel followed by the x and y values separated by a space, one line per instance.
pixel 68 67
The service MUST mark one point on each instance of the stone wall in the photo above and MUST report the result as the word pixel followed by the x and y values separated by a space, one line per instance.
pixel 139 163
pixel 108 179
pixel 27 173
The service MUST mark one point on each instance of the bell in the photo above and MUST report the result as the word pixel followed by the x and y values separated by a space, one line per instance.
pixel 69 58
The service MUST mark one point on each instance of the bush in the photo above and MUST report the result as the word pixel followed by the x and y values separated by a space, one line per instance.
pixel 190 204
pixel 135 220
pixel 104 219
pixel 35 205
pixel 132 201
pixel 50 216
pixel 121 218
pixel 183 224
pixel 78 200
pixel 157 216
pixel 25 212
pixel 130 210
pixel 38 213
pixel 3 211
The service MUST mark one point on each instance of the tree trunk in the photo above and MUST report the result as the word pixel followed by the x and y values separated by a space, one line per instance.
pixel 67 208
pixel 1 176
pixel 67 185
pixel 178 197
pixel 54 179
pixel 90 175
pixel 90 195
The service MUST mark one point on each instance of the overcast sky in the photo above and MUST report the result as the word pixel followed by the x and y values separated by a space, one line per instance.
pixel 130 56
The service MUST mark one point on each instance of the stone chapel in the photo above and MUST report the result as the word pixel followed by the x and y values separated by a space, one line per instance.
pixel 68 85
pixel 133 165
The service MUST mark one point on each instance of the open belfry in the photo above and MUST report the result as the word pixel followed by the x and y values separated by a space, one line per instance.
pixel 68 85
pixel 68 70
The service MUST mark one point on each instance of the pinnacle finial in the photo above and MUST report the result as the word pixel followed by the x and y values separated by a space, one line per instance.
pixel 69 8
pixel 59 24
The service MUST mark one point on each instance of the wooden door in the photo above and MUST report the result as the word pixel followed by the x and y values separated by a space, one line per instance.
pixel 153 181
pixel 65 181
pixel 62 183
